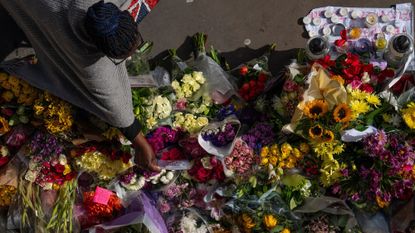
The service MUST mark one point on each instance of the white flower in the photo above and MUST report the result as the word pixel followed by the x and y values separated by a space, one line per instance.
pixel 31 175
pixel 32 165
pixel 198 76
pixel 4 151
pixel 169 175
pixel 48 186
pixel 164 180
pixel 62 160
pixel 365 78
pixel 175 85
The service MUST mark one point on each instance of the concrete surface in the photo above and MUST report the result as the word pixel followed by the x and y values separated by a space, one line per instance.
pixel 229 22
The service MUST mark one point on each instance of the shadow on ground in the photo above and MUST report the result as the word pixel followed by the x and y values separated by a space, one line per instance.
pixel 277 60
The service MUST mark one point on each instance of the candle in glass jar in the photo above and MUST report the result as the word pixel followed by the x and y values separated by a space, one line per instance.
pixel 371 19
pixel 355 33
pixel 380 43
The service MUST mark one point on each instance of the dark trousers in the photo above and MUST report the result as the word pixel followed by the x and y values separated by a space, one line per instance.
pixel 11 36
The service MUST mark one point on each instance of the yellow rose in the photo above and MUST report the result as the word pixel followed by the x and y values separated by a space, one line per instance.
pixel 273 160
pixel 202 121
pixel 270 221
pixel 286 230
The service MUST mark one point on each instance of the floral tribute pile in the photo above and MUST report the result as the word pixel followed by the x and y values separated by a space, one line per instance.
pixel 322 148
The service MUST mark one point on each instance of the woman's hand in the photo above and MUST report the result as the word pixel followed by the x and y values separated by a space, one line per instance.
pixel 144 154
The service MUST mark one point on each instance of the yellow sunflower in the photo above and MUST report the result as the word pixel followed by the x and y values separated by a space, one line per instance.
pixel 342 113
pixel 315 132
pixel 316 108
pixel 328 135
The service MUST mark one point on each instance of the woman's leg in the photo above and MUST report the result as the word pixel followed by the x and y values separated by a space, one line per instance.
pixel 11 37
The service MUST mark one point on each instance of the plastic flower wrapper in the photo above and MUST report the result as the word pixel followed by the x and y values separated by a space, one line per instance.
pixel 9 175
pixel 327 214
pixel 264 213
pixel 138 64
pixel 254 77
pixel 190 221
pixel 106 162
pixel 218 84
pixel 292 90
pixel 218 138
pixel 384 169
pixel 139 215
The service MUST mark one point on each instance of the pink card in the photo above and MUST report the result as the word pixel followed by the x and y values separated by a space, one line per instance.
pixel 102 196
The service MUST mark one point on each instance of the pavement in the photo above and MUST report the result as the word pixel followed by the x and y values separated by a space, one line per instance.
pixel 231 23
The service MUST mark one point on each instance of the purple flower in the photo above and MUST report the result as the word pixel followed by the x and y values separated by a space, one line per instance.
pixel 221 137
pixel 260 135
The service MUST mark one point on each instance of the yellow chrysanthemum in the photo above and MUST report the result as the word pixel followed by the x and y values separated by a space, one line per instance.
pixel 408 115
pixel 270 221
pixel 315 109
pixel 358 94
pixel 7 96
pixel 373 100
pixel 305 148
pixel 342 113
pixel 359 107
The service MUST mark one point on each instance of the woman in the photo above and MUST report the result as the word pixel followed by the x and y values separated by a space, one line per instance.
pixel 81 46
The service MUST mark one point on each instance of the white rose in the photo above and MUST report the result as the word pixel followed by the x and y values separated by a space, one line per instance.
pixel 62 159
pixel 365 78
pixel 169 175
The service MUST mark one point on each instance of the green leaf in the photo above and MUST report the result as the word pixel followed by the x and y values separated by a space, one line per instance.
pixel 293 204
pixel 277 229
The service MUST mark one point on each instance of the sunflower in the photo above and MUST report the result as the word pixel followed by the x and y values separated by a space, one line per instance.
pixel 328 135
pixel 315 109
pixel 315 132
pixel 342 113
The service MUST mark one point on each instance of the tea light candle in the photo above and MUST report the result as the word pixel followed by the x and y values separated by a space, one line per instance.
pixel 385 19
pixel 371 19
pixel 343 12
pixel 306 20
pixel 328 13
pixel 335 19
pixel 356 14
pixel 390 29
pixel 355 33
pixel 317 21
pixel 312 33
pixel 326 31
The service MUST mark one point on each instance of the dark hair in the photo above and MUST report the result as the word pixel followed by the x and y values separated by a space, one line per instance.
pixel 113 31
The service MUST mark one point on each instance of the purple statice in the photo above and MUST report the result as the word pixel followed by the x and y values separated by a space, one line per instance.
pixel 45 145
pixel 260 135
pixel 250 116
pixel 162 137
pixel 221 137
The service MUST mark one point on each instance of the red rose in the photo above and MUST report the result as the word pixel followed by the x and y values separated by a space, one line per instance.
pixel 243 70
pixel 262 77
pixel 368 68
pixel 59 168
pixel 245 87
pixel 366 88
pixel 3 161
pixel 203 174
pixel 173 154
pixel 218 173
pixel 69 176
